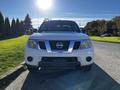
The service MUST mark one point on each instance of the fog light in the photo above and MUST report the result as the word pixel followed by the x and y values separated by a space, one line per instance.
pixel 30 59
pixel 88 59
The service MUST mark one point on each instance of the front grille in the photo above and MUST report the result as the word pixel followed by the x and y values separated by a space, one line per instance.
pixel 76 45
pixel 55 45
pixel 59 59
pixel 42 45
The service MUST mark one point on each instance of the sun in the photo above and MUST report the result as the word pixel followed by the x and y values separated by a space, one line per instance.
pixel 44 4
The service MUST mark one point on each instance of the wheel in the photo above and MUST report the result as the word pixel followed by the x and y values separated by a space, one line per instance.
pixel 31 69
pixel 78 67
pixel 87 68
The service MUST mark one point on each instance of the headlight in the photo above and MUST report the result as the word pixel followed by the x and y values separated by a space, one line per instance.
pixel 84 44
pixel 32 44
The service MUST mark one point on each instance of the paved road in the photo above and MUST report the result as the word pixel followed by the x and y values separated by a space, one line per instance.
pixel 105 74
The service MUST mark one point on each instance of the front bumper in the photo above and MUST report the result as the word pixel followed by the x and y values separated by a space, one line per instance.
pixel 39 54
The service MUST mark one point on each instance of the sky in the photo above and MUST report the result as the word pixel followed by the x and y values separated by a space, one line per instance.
pixel 82 11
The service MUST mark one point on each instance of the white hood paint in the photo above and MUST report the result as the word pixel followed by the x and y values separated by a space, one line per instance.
pixel 59 36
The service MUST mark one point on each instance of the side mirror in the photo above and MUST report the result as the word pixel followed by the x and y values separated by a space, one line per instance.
pixel 82 30
pixel 35 30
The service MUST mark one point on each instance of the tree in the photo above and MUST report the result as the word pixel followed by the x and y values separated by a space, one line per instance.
pixel 17 27
pixel 117 21
pixel 110 27
pixel 27 22
pixel 100 27
pixel 1 25
pixel 22 28
pixel 13 27
pixel 7 27
pixel 92 28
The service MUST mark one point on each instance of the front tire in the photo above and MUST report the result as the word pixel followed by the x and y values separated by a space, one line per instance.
pixel 87 68
pixel 32 69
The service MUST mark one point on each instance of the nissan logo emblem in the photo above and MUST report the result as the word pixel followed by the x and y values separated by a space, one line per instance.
pixel 59 45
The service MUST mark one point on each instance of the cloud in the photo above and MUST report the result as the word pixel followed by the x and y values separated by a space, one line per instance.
pixel 36 22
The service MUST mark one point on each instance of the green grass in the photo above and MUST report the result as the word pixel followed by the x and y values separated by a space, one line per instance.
pixel 106 39
pixel 11 53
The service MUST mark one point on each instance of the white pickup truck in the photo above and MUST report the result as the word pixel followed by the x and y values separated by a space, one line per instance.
pixel 59 44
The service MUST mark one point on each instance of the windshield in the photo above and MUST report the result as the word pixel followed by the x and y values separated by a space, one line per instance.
pixel 59 26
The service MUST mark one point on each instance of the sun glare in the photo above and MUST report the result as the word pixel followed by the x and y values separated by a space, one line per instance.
pixel 44 4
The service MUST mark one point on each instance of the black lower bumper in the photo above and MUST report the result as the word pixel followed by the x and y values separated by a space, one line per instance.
pixel 57 63
pixel 51 65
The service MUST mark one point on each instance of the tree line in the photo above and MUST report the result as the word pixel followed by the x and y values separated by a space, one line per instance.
pixel 15 27
pixel 101 27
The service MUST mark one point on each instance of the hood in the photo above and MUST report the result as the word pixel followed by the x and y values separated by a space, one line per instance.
pixel 59 36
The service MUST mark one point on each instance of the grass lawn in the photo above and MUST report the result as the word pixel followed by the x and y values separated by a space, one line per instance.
pixel 11 53
pixel 106 39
